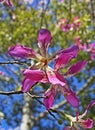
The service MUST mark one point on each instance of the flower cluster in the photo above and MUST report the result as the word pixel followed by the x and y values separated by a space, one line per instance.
pixel 42 72
pixel 66 26
pixel 8 2
pixel 78 121
pixel 87 48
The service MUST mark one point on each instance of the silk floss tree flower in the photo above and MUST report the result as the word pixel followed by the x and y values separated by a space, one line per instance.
pixel 79 122
pixel 8 2
pixel 90 48
pixel 42 72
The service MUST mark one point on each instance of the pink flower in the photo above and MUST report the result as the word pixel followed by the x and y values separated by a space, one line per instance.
pixel 2 73
pixel 81 46
pixel 8 2
pixel 78 121
pixel 43 73
pixel 77 23
pixel 91 50
pixel 65 26
pixel 86 48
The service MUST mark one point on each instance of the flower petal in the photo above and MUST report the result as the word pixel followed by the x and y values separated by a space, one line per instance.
pixel 34 75
pixel 22 52
pixel 55 77
pixel 50 96
pixel 65 56
pixel 9 3
pixel 27 84
pixel 75 68
pixel 72 98
pixel 88 107
pixel 44 40
pixel 70 95
pixel 68 128
pixel 87 124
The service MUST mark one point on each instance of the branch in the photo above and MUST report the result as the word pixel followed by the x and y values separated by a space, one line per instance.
pixel 14 62
pixel 10 93
pixel 19 92
pixel 34 96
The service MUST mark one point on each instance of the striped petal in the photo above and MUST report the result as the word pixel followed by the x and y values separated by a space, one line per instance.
pixel 76 68
pixel 44 40
pixel 65 57
pixel 20 51
pixel 34 75
pixel 70 96
pixel 55 78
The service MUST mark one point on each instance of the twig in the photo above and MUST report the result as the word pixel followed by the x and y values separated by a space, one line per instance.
pixel 10 93
pixel 13 62
pixel 92 13
pixel 35 96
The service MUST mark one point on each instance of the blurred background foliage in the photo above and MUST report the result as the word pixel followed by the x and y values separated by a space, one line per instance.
pixel 21 24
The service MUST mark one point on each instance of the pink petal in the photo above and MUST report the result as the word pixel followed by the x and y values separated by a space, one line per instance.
pixel 9 3
pixel 70 96
pixel 72 99
pixel 55 78
pixel 50 97
pixel 65 57
pixel 44 40
pixel 92 45
pixel 87 124
pixel 34 75
pixel 76 68
pixel 27 84
pixel 65 26
pixel 68 128
pixel 88 107
pixel 22 52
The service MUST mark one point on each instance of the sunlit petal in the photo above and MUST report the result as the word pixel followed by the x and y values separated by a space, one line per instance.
pixel 76 68
pixel 65 56
pixel 21 51
pixel 55 77
pixel 34 75
pixel 44 40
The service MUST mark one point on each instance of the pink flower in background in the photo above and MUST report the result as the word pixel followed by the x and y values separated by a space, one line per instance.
pixel 84 47
pixel 77 23
pixel 8 2
pixel 43 73
pixel 2 73
pixel 64 25
pixel 78 121
pixel 78 42
pixel 91 50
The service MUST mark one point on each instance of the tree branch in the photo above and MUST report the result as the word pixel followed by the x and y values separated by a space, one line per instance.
pixel 13 62
pixel 20 92
pixel 10 93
